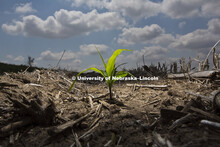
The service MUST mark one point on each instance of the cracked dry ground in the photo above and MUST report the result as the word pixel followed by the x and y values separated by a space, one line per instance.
pixel 135 120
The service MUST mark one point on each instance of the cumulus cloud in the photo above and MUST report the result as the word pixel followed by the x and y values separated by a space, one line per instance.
pixel 88 49
pixel 152 53
pixel 15 59
pixel 188 8
pixel 214 26
pixel 134 35
pixel 90 3
pixel 65 24
pixel 77 61
pixel 134 9
pixel 51 56
pixel 72 65
pixel 70 59
pixel 85 50
pixel 163 40
pixel 24 8
pixel 148 34
pixel 155 35
pixel 181 8
pixel 211 8
pixel 145 8
pixel 19 59
pixel 200 38
pixel 9 57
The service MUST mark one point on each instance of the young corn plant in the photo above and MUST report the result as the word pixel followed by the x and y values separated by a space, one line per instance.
pixel 110 74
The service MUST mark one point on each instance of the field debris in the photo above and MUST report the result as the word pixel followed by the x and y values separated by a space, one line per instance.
pixel 36 109
pixel 148 86
pixel 213 74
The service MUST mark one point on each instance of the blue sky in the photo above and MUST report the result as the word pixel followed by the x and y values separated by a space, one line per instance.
pixel 161 30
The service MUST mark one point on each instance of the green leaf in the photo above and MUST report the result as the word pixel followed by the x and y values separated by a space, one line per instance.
pixel 91 68
pixel 129 73
pixel 120 74
pixel 115 68
pixel 101 58
pixel 120 65
pixel 111 61
pixel 104 72
pixel 108 81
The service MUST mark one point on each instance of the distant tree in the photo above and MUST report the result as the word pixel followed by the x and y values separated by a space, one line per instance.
pixel 30 61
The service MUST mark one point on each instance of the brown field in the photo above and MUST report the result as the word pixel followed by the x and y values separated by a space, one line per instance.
pixel 36 109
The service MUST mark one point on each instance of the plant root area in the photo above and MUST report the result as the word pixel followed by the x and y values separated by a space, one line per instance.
pixel 36 109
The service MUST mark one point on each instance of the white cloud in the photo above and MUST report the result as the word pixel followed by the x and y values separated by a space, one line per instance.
pixel 19 59
pixel 134 9
pixel 149 34
pixel 154 34
pixel 13 29
pixel 4 61
pixel 182 24
pixel 77 61
pixel 55 56
pixel 15 59
pixel 9 57
pixel 214 26
pixel 181 8
pixel 134 35
pixel 88 49
pixel 188 8
pixel 65 24
pixel 70 59
pixel 24 8
pixel 163 40
pixel 200 38
pixel 152 53
pixel 137 9
pixel 90 3
pixel 211 8
pixel 73 65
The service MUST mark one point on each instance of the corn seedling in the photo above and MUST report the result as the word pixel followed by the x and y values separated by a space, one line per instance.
pixel 110 74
